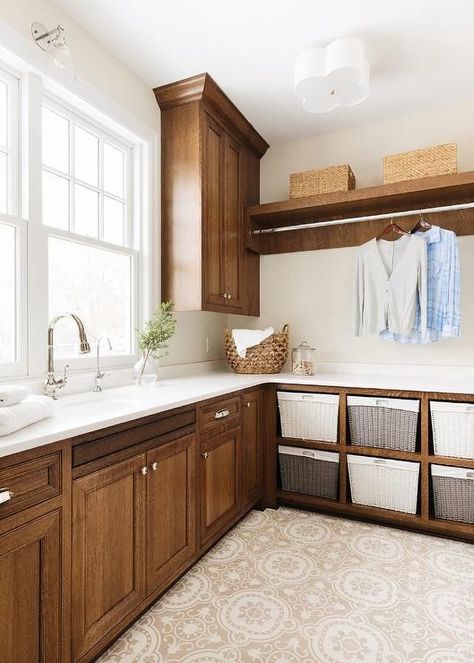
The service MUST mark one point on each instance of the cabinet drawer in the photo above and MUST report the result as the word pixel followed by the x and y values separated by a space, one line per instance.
pixel 219 415
pixel 89 451
pixel 30 482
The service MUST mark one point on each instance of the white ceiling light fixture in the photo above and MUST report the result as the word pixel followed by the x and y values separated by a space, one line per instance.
pixel 337 75
pixel 54 43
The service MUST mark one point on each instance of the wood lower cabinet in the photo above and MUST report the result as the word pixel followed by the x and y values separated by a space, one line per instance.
pixel 31 590
pixel 252 447
pixel 170 510
pixel 108 534
pixel 220 482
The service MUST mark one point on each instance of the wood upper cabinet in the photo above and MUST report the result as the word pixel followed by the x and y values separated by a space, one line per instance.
pixel 210 173
pixel 30 587
pixel 252 447
pixel 170 510
pixel 220 482
pixel 108 551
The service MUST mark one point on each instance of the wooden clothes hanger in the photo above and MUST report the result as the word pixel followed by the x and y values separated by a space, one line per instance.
pixel 422 225
pixel 393 229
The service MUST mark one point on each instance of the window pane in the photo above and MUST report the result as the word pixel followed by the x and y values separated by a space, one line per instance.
pixel 55 141
pixel 3 114
pixel 3 183
pixel 113 221
pixel 86 220
pixel 55 201
pixel 86 156
pixel 96 285
pixel 113 170
pixel 7 293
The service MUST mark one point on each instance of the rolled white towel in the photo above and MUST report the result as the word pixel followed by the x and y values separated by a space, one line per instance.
pixel 248 338
pixel 11 394
pixel 29 411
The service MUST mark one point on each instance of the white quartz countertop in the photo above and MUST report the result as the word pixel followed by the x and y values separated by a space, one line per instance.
pixel 82 413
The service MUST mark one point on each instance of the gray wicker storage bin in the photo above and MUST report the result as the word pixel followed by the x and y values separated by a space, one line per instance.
pixel 309 472
pixel 453 492
pixel 384 423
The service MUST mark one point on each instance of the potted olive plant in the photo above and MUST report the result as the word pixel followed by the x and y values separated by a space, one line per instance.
pixel 153 343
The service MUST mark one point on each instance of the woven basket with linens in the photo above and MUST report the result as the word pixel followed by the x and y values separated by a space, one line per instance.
pixel 269 356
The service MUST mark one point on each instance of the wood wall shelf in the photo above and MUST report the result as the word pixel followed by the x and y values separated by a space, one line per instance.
pixel 401 196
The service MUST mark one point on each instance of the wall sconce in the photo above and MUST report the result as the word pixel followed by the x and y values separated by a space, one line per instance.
pixel 337 75
pixel 54 43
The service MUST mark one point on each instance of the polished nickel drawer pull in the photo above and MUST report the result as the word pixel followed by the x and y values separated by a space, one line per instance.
pixel 5 495
pixel 220 414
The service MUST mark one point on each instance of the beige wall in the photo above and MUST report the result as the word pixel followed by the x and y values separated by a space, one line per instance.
pixel 99 68
pixel 312 291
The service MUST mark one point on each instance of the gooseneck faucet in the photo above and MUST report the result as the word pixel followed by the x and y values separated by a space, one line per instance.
pixel 51 383
pixel 100 374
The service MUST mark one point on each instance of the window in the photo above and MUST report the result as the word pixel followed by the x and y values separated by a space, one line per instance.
pixel 72 218
pixel 87 208
pixel 11 230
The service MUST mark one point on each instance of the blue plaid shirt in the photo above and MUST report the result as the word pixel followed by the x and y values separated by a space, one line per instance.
pixel 444 290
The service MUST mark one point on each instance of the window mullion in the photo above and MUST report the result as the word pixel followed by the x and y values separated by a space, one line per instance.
pixel 37 253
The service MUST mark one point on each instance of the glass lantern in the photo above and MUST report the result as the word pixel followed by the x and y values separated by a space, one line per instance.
pixel 303 359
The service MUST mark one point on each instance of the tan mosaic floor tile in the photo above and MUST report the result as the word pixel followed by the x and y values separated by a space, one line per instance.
pixel 290 586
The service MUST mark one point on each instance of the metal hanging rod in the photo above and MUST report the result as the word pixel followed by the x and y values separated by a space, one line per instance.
pixel 358 219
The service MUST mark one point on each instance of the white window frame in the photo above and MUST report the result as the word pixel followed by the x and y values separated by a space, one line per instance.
pixel 131 225
pixel 38 80
pixel 13 218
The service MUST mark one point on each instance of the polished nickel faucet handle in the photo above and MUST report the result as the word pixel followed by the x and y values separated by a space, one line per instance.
pixel 100 374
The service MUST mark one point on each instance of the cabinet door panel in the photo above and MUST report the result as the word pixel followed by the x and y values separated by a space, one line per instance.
pixel 30 587
pixel 213 192
pixel 252 447
pixel 220 483
pixel 171 509
pixel 108 531
pixel 232 230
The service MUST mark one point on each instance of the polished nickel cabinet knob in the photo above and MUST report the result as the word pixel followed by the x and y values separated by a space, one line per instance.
pixel 5 495
pixel 144 471
pixel 205 455
pixel 154 466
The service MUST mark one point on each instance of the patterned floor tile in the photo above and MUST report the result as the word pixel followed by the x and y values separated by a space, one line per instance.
pixel 290 586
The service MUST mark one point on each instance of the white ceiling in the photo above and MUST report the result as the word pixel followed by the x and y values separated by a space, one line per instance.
pixel 421 51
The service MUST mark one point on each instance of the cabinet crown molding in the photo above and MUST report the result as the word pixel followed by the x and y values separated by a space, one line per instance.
pixel 204 88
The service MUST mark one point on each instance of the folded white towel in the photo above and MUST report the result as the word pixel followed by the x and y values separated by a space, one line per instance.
pixel 248 338
pixel 11 394
pixel 29 411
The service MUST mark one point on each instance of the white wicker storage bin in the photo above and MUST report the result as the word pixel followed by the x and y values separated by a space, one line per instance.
pixel 386 423
pixel 453 429
pixel 387 484
pixel 453 493
pixel 309 472
pixel 309 416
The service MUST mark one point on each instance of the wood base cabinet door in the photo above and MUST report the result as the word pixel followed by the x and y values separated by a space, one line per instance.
pixel 30 590
pixel 108 535
pixel 252 447
pixel 171 510
pixel 220 489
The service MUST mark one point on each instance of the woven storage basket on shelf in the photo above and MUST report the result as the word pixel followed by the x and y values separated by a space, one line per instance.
pixel 309 472
pixel 385 423
pixel 428 162
pixel 453 429
pixel 309 416
pixel 324 180
pixel 384 483
pixel 453 493
pixel 267 357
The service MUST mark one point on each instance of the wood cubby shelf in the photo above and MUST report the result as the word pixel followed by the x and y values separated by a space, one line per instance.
pixel 424 193
pixel 423 520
